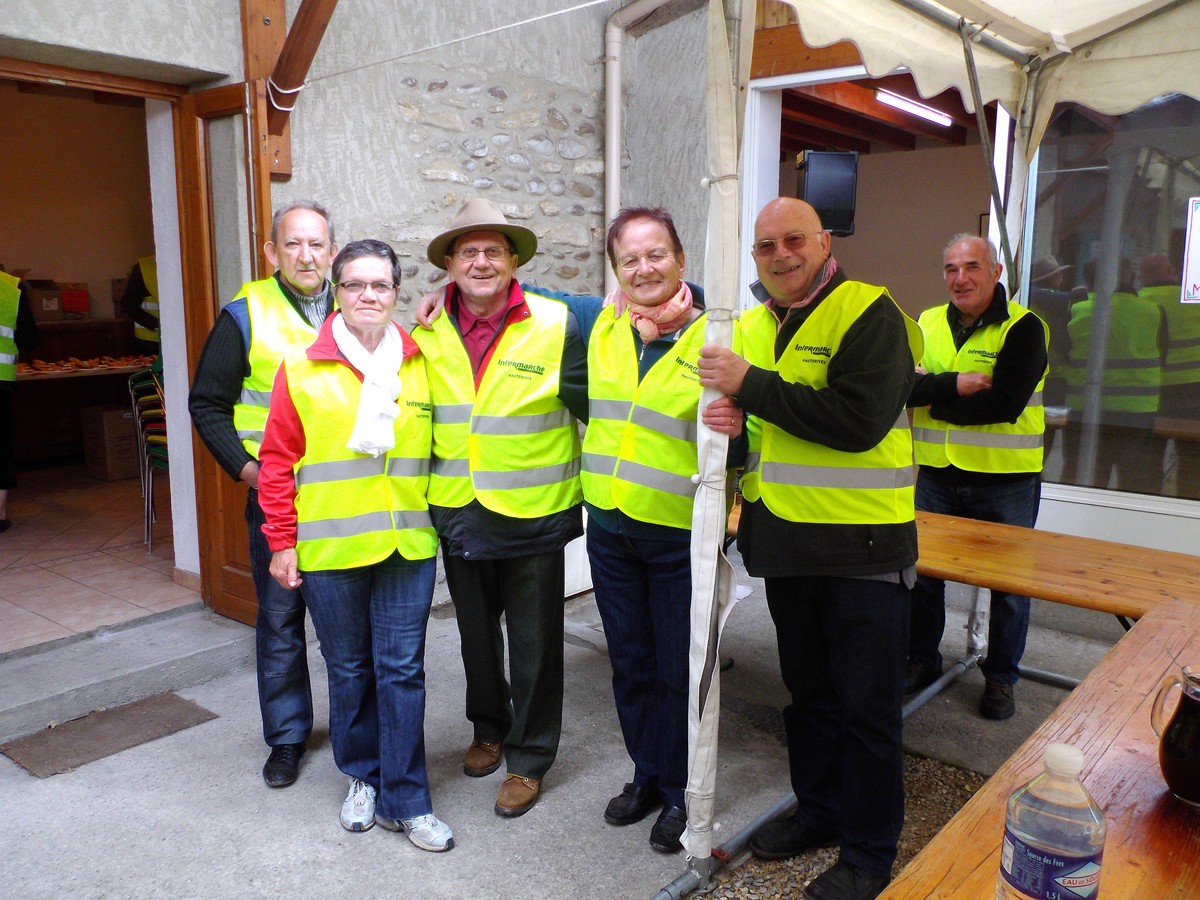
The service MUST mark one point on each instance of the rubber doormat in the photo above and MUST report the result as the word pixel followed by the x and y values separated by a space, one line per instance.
pixel 102 733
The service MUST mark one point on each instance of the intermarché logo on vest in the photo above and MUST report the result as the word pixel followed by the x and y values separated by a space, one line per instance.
pixel 986 354
pixel 826 352
pixel 692 368
pixel 519 366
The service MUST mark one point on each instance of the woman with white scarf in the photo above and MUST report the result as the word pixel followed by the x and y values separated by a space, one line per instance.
pixel 344 471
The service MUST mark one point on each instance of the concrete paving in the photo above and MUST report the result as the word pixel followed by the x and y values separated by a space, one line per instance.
pixel 189 816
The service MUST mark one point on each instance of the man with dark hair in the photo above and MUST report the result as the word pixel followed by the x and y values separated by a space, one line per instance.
pixel 229 400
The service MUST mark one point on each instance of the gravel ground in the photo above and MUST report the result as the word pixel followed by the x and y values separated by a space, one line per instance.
pixel 933 792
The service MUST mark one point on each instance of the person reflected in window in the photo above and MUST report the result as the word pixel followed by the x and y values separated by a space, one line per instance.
pixel 1130 388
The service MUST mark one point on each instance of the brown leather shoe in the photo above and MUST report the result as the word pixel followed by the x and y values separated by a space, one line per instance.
pixel 483 758
pixel 517 795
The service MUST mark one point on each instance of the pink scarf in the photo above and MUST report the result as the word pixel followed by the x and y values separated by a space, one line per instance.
pixel 652 322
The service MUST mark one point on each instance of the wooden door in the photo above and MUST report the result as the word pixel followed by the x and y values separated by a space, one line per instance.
pixel 224 219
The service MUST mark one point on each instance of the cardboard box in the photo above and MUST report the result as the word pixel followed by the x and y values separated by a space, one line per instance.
pixel 110 448
pixel 45 300
pixel 76 302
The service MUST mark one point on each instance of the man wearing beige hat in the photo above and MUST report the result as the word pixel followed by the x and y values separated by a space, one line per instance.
pixel 507 379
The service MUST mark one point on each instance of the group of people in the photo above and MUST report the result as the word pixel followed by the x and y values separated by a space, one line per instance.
pixel 365 446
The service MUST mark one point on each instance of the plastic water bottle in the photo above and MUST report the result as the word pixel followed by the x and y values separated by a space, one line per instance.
pixel 1053 835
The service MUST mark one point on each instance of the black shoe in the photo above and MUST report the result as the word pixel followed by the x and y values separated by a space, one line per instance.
pixel 787 838
pixel 283 765
pixel 5 524
pixel 919 675
pixel 664 836
pixel 846 882
pixel 632 805
pixel 997 702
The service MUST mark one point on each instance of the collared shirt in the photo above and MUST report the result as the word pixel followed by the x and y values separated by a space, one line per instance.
pixel 479 333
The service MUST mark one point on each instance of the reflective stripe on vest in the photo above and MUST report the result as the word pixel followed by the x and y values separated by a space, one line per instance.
pixel 353 509
pixel 275 328
pixel 999 447
pixel 1132 378
pixel 1183 333
pixel 803 481
pixel 639 454
pixel 149 268
pixel 10 297
pixel 513 446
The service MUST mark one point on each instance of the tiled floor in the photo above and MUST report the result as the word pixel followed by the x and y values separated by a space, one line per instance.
pixel 74 559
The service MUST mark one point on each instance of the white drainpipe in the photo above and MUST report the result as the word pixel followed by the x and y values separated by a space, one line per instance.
pixel 614 42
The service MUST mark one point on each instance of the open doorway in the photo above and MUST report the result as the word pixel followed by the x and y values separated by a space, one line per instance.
pixel 77 216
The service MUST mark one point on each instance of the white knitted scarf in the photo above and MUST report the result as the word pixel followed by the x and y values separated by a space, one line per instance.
pixel 374 429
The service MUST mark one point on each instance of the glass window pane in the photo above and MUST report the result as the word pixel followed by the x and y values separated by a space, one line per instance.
pixel 1110 211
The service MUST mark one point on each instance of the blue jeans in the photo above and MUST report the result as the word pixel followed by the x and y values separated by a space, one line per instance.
pixel 643 590
pixel 1009 503
pixel 371 624
pixel 284 690
pixel 841 655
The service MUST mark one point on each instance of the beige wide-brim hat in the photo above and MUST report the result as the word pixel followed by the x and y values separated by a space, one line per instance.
pixel 482 215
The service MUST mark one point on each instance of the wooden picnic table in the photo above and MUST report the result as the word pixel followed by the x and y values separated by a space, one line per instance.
pixel 1152 851
pixel 1086 572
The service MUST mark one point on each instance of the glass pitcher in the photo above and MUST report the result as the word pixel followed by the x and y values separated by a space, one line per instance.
pixel 1179 738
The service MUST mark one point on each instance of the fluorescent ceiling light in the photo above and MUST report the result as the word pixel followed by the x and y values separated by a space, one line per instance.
pixel 912 107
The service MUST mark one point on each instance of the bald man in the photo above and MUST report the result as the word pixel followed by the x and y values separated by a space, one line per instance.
pixel 829 525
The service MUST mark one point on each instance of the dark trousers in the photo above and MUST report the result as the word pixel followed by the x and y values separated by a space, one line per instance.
pixel 528 592
pixel 842 648
pixel 284 690
pixel 8 471
pixel 643 591
pixel 1010 503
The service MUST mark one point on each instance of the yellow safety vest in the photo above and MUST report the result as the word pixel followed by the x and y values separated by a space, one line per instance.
pixel 10 297
pixel 1132 379
pixel 1000 447
pixel 804 481
pixel 149 267
pixel 639 453
pixel 1183 333
pixel 353 509
pixel 513 446
pixel 275 328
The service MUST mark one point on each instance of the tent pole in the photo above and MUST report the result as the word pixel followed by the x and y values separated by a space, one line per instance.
pixel 985 140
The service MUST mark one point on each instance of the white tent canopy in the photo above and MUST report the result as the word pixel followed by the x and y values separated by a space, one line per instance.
pixel 1110 55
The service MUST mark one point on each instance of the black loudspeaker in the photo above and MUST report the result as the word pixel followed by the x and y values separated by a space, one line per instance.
pixel 829 182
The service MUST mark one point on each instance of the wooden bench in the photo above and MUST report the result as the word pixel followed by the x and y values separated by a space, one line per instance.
pixel 1086 572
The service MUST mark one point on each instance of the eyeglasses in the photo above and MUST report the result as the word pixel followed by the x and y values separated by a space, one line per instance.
pixel 792 243
pixel 655 257
pixel 470 254
pixel 354 288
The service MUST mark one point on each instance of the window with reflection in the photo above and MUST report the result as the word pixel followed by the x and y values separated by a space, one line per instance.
pixel 1109 230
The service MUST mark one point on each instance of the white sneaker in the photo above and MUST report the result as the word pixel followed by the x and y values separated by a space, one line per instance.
pixel 428 831
pixel 358 810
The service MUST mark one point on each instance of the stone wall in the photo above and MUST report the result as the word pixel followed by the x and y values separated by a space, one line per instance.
pixel 405 120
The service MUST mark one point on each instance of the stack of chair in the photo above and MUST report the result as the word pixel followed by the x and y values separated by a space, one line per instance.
pixel 149 413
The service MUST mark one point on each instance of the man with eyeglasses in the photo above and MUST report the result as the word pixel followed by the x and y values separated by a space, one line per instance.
pixel 829 525
pixel 229 399
pixel 507 378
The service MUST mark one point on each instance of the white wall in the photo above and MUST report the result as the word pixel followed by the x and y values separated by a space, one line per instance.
pixel 179 43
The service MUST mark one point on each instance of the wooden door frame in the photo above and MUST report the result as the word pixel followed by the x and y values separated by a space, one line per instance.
pixel 219 503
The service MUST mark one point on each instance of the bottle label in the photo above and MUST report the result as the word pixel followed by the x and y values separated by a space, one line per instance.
pixel 1047 875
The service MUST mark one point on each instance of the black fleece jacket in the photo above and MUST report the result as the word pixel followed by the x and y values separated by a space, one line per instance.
pixel 869 380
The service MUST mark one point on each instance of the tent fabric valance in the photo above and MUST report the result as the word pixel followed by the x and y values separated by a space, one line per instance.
pixel 1110 55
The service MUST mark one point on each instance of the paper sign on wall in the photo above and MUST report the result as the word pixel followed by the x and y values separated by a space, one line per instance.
pixel 1191 255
